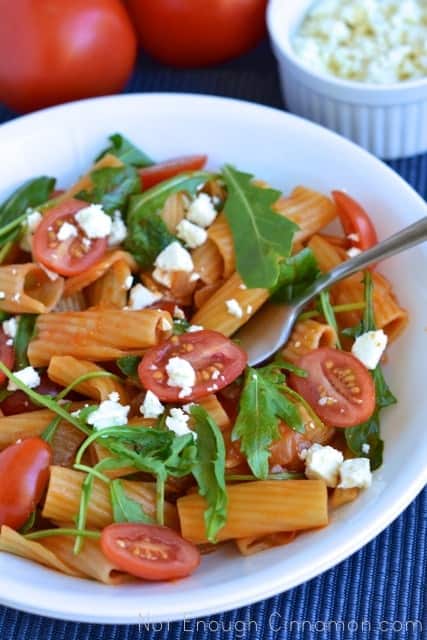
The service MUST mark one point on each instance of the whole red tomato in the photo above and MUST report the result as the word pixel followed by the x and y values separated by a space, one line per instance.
pixel 53 51
pixel 198 32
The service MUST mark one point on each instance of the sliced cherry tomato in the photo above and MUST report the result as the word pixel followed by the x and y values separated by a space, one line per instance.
pixel 71 256
pixel 208 352
pixel 168 169
pixel 18 401
pixel 338 387
pixel 149 552
pixel 355 221
pixel 24 469
pixel 7 354
pixel 285 451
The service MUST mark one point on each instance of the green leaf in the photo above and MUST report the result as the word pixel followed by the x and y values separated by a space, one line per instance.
pixel 367 433
pixel 24 333
pixel 262 238
pixel 209 470
pixel 12 212
pixel 128 365
pixel 125 151
pixel 29 524
pixel 49 432
pixel 296 274
pixel 111 187
pixel 147 233
pixel 180 326
pixel 329 314
pixel 384 396
pixel 126 509
pixel 262 403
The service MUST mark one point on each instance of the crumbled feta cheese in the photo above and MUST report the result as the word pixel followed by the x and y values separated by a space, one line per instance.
pixel 128 282
pixel 2 295
pixel 28 376
pixel 94 221
pixel 365 40
pixel 194 276
pixel 194 327
pixel 323 463
pixel 242 286
pixel 114 396
pixel 118 231
pixel 187 407
pixel 353 252
pixel 30 224
pixel 10 327
pixel 181 374
pixel 369 348
pixel 355 472
pixel 174 258
pixel 177 422
pixel 110 413
pixel 366 448
pixel 151 407
pixel 234 308
pixel 162 277
pixel 193 235
pixel 178 313
pixel 67 231
pixel 354 237
pixel 165 325
pixel 141 297
pixel 202 211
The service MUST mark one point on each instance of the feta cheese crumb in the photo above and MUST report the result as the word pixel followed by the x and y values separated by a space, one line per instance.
pixel 141 297
pixel 369 347
pixel 151 407
pixel 28 376
pixel 353 252
pixel 193 235
pixel 202 210
pixel 356 473
pixel 187 407
pixel 165 325
pixel 67 231
pixel 94 221
pixel 118 231
pixel 194 327
pixel 110 413
pixel 128 282
pixel 177 422
pixel 354 237
pixel 30 224
pixel 2 295
pixel 181 374
pixel 234 308
pixel 114 396
pixel 162 277
pixel 174 258
pixel 366 448
pixel 323 463
pixel 10 327
pixel 178 313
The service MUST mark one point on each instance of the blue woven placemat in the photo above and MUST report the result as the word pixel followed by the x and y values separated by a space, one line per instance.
pixel 379 592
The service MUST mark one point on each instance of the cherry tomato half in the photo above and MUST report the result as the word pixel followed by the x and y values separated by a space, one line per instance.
pixel 355 220
pixel 151 176
pixel 71 256
pixel 19 402
pixel 149 551
pixel 207 351
pixel 338 387
pixel 7 354
pixel 24 469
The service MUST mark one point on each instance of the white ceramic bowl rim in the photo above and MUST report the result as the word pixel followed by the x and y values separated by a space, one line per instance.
pixel 281 32
pixel 63 140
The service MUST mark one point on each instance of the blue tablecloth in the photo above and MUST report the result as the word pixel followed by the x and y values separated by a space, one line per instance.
pixel 377 593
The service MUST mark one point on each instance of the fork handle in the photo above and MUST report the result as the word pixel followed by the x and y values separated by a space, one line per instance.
pixel 404 239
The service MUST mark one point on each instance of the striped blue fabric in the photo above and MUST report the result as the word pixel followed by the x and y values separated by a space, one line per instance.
pixel 379 592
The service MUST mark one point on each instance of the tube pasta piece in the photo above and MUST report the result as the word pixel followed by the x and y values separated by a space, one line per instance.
pixel 65 443
pixel 214 313
pixel 111 290
pixel 13 542
pixel 99 269
pixel 259 508
pixel 28 289
pixel 208 262
pixel 85 182
pixel 96 335
pixel 216 411
pixel 327 255
pixel 339 496
pixel 250 546
pixel 201 296
pixel 76 302
pixel 309 209
pixel 220 233
pixel 306 336
pixel 173 211
pixel 90 561
pixel 63 497
pixel 65 369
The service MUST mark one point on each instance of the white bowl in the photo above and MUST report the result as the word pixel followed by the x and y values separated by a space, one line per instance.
pixel 388 120
pixel 286 151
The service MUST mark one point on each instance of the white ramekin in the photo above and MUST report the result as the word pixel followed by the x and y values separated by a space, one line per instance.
pixel 388 120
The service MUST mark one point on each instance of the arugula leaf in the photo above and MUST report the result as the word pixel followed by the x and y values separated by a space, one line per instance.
pixel 111 187
pixel 295 275
pixel 49 432
pixel 24 333
pixel 12 212
pixel 180 326
pixel 262 403
pixel 125 151
pixel 128 365
pixel 329 314
pixel 147 233
pixel 126 509
pixel 209 470
pixel 262 238
pixel 384 396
